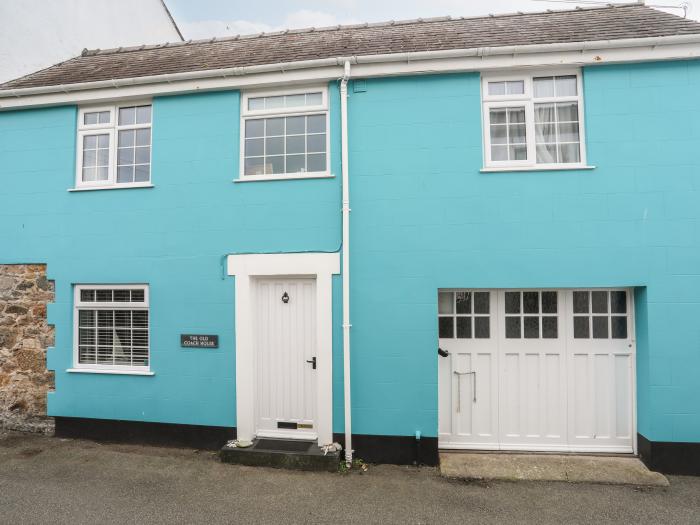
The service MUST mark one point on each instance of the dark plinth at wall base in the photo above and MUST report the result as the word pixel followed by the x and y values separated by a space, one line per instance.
pixel 138 432
pixel 396 450
pixel 669 457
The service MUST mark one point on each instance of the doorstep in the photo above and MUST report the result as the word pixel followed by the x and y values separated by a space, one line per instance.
pixel 282 453
pixel 615 470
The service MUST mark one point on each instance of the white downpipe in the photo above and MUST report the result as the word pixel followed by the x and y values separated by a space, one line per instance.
pixel 346 259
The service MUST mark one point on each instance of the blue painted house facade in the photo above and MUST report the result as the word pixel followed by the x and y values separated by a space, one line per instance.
pixel 532 211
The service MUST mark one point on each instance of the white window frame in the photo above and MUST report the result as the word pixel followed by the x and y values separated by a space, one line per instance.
pixel 94 305
pixel 112 129
pixel 247 114
pixel 528 101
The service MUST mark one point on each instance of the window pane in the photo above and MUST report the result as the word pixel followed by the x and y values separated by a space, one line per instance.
pixel 549 327
pixel 544 87
pixel 274 165
pixel 89 158
pixel 295 100
pixel 255 104
pixel 499 134
pixel 546 133
pixel 103 141
pixel 295 163
pixel 515 87
pixel 89 141
pixel 138 296
pixel 314 99
pixel 566 86
pixel 254 147
pixel 619 327
pixel 516 115
pixel 274 146
pixel 618 302
pixel 446 327
pixel 513 327
pixel 126 138
pixel 86 317
pixel 581 327
pixel 518 152
pixel 143 137
pixel 481 302
pixel 545 113
pixel 143 155
pixel 89 174
pixel 296 125
pixel 125 174
pixel 464 327
pixel 87 295
pixel 546 154
pixel 295 144
pixel 549 302
pixel 316 162
pixel 569 153
pixel 102 173
pixel 316 124
pixel 499 152
pixel 482 328
pixel 274 127
pixel 127 116
pixel 121 296
pixel 316 143
pixel 498 116
pixel 580 302
pixel 497 88
pixel 274 102
pixel 125 156
pixel 517 133
pixel 464 302
pixel 512 302
pixel 255 166
pixel 445 303
pixel 531 302
pixel 254 128
pixel 143 115
pixel 600 302
pixel 531 327
pixel 567 112
pixel 142 173
pixel 103 117
pixel 568 132
pixel 600 327
pixel 90 118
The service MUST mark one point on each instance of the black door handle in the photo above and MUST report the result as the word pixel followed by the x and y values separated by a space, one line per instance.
pixel 312 361
pixel 442 353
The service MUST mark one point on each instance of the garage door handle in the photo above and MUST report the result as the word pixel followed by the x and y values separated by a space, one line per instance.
pixel 459 387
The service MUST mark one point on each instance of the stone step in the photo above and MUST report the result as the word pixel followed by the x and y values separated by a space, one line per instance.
pixel 282 453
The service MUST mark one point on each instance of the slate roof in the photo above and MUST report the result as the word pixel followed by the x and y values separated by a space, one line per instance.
pixel 600 23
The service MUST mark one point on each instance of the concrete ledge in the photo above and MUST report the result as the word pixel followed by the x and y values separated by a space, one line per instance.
pixel 311 458
pixel 614 470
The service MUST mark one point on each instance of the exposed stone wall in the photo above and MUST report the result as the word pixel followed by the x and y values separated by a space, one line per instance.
pixel 24 337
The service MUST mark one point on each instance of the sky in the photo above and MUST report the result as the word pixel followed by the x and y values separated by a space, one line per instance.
pixel 207 18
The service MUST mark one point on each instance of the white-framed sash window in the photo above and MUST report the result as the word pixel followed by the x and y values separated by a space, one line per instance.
pixel 114 146
pixel 111 327
pixel 533 120
pixel 284 134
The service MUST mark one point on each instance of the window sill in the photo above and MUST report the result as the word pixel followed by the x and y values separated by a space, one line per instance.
pixel 119 187
pixel 112 372
pixel 537 168
pixel 264 178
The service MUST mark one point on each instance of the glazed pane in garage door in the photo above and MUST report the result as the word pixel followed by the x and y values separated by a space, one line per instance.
pixel 537 370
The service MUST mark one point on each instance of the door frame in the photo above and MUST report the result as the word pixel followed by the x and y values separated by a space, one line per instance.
pixel 245 268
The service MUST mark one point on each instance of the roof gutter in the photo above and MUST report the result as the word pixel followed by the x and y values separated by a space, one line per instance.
pixel 368 59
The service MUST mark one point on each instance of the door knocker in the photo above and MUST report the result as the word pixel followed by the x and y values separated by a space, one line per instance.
pixel 285 297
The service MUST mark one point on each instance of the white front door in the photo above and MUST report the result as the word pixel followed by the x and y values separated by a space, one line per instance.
pixel 286 357
pixel 541 370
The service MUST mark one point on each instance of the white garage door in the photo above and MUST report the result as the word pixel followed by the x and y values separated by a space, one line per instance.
pixel 541 370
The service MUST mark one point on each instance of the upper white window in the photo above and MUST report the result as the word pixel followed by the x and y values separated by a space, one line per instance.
pixel 284 134
pixel 114 146
pixel 111 327
pixel 533 120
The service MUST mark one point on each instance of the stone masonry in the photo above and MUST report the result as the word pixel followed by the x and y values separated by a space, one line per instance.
pixel 24 338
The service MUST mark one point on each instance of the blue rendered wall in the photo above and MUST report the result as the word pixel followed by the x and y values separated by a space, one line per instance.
pixel 424 217
pixel 173 237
